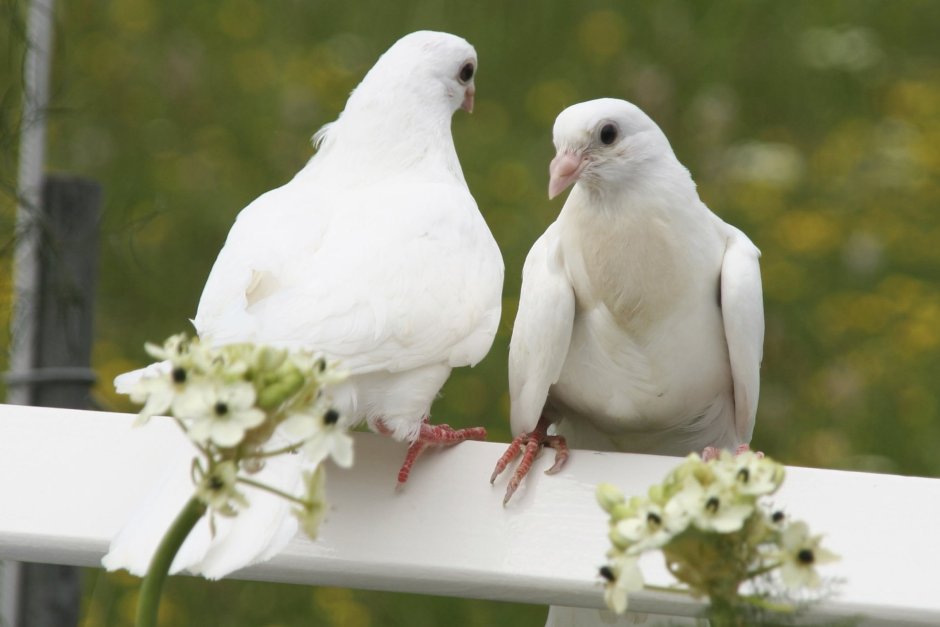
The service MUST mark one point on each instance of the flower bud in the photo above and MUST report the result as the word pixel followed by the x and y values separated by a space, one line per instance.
pixel 268 358
pixel 624 510
pixel 657 494
pixel 280 388
pixel 609 496
pixel 618 539
pixel 703 474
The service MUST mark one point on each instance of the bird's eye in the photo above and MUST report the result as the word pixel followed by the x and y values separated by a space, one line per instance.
pixel 466 73
pixel 608 134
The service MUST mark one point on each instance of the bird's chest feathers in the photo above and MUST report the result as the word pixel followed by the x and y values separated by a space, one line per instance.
pixel 634 265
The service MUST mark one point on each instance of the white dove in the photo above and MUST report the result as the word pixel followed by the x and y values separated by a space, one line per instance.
pixel 374 254
pixel 640 325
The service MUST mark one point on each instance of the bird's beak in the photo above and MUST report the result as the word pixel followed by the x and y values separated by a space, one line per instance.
pixel 564 170
pixel 468 99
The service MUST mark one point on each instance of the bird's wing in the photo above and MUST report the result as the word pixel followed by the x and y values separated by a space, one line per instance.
pixel 541 333
pixel 269 233
pixel 743 314
pixel 390 277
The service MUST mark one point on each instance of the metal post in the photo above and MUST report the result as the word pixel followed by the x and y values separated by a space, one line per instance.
pixel 49 595
pixel 68 272
pixel 29 188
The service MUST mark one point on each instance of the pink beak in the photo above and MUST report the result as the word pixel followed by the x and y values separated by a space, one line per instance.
pixel 468 99
pixel 564 170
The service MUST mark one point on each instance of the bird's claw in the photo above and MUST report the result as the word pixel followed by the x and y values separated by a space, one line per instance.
pixel 558 443
pixel 529 445
pixel 433 435
pixel 712 452
pixel 744 448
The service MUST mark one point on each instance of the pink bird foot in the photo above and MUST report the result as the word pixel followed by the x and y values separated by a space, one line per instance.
pixel 711 452
pixel 432 435
pixel 529 445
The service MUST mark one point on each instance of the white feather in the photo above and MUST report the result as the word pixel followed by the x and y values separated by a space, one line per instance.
pixel 651 361
pixel 742 307
pixel 542 332
pixel 663 352
pixel 375 254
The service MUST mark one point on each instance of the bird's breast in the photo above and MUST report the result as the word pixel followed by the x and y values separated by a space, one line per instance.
pixel 638 266
pixel 648 344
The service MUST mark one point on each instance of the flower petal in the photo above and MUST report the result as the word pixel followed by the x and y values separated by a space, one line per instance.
pixel 249 418
pixel 226 433
pixel 301 426
pixel 342 452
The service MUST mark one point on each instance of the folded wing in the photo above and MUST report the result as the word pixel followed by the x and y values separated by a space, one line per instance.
pixel 541 333
pixel 743 314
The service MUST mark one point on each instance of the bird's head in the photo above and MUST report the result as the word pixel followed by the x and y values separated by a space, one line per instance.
pixel 427 65
pixel 604 143
pixel 404 104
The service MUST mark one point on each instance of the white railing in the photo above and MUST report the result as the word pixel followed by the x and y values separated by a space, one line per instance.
pixel 69 480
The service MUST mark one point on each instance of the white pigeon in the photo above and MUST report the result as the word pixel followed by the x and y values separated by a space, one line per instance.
pixel 374 254
pixel 640 325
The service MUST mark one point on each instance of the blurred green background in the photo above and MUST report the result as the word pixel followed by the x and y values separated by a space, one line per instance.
pixel 814 126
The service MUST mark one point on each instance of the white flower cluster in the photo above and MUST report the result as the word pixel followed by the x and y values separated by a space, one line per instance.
pixel 242 404
pixel 715 533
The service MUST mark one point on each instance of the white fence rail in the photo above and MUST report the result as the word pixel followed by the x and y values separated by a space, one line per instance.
pixel 69 479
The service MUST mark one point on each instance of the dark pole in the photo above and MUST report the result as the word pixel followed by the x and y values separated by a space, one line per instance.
pixel 67 233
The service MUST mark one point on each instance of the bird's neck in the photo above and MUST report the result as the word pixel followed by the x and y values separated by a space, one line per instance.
pixel 645 189
pixel 376 139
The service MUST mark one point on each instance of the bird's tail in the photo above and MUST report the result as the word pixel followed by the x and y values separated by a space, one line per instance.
pixel 254 535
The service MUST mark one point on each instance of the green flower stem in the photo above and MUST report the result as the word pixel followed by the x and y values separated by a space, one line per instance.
pixel 149 601
pixel 293 448
pixel 275 491
pixel 722 613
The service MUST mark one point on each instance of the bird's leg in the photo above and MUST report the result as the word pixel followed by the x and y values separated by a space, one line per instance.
pixel 413 452
pixel 435 435
pixel 529 445
pixel 744 448
pixel 711 452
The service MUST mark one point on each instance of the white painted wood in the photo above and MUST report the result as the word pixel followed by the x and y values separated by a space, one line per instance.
pixel 69 479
